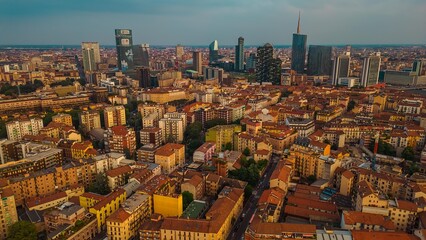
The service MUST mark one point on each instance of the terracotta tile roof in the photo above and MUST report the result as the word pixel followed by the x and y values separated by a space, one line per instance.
pixel 94 196
pixel 279 228
pixel 354 217
pixel 119 130
pixel 305 203
pixel 366 235
pixel 32 202
pixel 273 196
pixel 311 214
pixel 115 194
pixel 168 149
pixel 118 171
pixel 195 180
pixel 119 216
pixel 348 174
pixel 206 147
pixel 407 205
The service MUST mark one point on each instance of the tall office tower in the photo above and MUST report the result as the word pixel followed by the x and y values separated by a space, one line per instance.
pixel 90 120
pixel 173 126
pixel 197 61
pixel 124 43
pixel 268 68
pixel 114 116
pixel 419 67
pixel 348 49
pixel 144 77
pixel 298 50
pixel 213 51
pixel 370 70
pixel 251 62
pixel 341 65
pixel 91 55
pixel 179 52
pixel 319 60
pixel 141 55
pixel 239 55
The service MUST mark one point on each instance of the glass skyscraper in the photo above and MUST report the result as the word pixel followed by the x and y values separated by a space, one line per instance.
pixel 370 70
pixel 319 60
pixel 91 55
pixel 141 55
pixel 341 66
pixel 298 50
pixel 124 42
pixel 239 55
pixel 213 51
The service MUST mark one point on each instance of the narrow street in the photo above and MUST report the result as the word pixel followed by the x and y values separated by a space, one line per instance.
pixel 242 223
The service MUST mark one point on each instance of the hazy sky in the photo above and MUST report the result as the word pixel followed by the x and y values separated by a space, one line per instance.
pixel 201 21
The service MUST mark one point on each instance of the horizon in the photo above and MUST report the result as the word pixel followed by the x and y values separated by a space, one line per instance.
pixel 194 21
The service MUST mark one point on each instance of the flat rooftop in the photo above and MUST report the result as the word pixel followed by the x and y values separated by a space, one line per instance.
pixel 194 209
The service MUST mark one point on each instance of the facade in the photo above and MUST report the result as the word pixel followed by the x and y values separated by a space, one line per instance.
pixel 63 118
pixel 114 116
pixel 8 213
pixel 144 77
pixel 90 120
pixel 124 43
pixel 222 135
pixel 17 129
pixel 268 68
pixel 91 55
pixel 370 70
pixel 120 139
pixel 170 156
pixel 168 205
pixel 179 52
pixel 204 153
pixel 239 55
pixel 341 67
pixel 319 60
pixel 298 50
pixel 173 126
pixel 124 223
pixel 151 135
pixel 141 55
pixel 213 73
pixel 213 51
pixel 197 62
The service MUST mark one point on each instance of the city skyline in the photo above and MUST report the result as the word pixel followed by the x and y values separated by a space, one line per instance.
pixel 168 23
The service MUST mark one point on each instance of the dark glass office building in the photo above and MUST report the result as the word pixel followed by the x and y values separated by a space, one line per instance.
pixel 268 68
pixel 123 42
pixel 239 55
pixel 298 52
pixel 319 60
pixel 141 55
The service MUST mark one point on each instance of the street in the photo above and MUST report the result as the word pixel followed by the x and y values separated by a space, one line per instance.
pixel 241 224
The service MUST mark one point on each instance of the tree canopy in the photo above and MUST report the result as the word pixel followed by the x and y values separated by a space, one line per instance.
pixel 408 153
pixel 100 185
pixel 22 230
pixel 215 122
pixel 187 199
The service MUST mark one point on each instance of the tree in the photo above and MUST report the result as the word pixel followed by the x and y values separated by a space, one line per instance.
pixel 3 132
pixel 47 118
pixel 22 230
pixel 99 185
pixel 215 122
pixel 246 151
pixel 351 105
pixel 311 179
pixel 187 199
pixel 262 164
pixel 248 191
pixel 228 146
pixel 408 154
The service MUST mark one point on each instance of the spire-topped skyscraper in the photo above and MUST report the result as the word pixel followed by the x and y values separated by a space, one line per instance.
pixel 298 53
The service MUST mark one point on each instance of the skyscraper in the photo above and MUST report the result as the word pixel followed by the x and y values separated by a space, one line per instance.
pixel 298 51
pixel 268 68
pixel 197 61
pixel 419 67
pixel 91 55
pixel 239 55
pixel 319 60
pixel 124 43
pixel 341 65
pixel 213 51
pixel 141 55
pixel 179 52
pixel 370 70
pixel 144 77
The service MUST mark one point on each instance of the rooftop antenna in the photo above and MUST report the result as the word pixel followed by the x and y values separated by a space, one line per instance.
pixel 298 24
